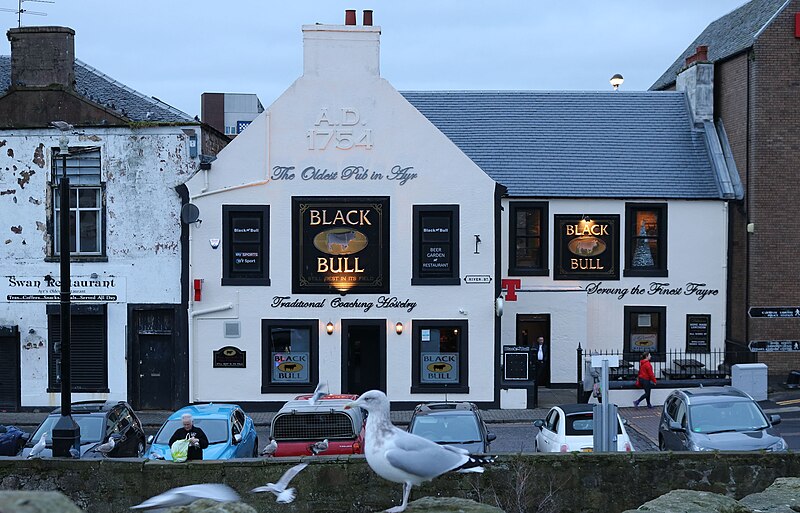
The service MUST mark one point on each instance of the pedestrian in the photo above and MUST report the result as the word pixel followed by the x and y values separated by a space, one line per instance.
pixel 540 358
pixel 197 438
pixel 646 380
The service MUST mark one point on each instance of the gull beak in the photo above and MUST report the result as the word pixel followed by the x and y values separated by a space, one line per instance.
pixel 351 404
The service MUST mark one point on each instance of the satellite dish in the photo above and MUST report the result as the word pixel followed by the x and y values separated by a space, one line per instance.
pixel 190 213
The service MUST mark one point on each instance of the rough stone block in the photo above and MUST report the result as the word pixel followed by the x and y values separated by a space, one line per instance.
pixel 692 501
pixel 449 505
pixel 783 496
pixel 36 502
pixel 209 506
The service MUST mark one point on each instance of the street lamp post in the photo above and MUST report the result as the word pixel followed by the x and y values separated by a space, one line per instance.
pixel 66 433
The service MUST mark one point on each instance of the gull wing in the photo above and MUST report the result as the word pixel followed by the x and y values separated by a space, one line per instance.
pixel 287 476
pixel 420 457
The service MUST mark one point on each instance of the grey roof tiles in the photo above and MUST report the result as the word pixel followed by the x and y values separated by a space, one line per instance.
pixel 577 144
pixel 727 36
pixel 102 89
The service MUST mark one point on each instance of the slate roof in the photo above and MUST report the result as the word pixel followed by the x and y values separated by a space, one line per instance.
pixel 588 144
pixel 727 36
pixel 104 90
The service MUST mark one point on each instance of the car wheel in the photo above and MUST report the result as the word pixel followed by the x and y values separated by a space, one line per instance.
pixel 255 448
pixel 140 449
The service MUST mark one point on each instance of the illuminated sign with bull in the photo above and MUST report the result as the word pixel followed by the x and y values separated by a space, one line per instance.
pixel 586 247
pixel 340 245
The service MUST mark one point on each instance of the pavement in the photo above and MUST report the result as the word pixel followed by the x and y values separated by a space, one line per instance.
pixel 642 422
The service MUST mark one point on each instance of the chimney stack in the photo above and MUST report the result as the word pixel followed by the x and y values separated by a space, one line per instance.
pixel 697 81
pixel 347 50
pixel 42 56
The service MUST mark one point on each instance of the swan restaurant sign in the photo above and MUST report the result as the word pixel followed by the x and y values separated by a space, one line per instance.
pixel 586 247
pixel 340 245
pixel 103 289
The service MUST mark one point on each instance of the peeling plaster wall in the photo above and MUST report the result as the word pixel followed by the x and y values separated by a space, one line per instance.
pixel 140 169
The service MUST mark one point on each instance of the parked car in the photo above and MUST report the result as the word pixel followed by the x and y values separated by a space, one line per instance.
pixel 98 420
pixel 231 433
pixel 12 440
pixel 570 427
pixel 453 423
pixel 717 419
pixel 299 425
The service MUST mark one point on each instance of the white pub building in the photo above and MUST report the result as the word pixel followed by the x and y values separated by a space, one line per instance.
pixel 368 238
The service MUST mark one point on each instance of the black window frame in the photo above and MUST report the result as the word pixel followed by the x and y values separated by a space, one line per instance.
pixel 229 277
pixel 418 277
pixel 632 234
pixel 513 268
pixel 53 218
pixel 78 377
pixel 660 354
pixel 267 386
pixel 462 387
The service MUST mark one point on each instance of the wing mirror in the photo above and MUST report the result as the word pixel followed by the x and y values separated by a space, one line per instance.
pixel 237 438
pixel 539 423
pixel 675 426
pixel 775 419
pixel 491 437
pixel 150 439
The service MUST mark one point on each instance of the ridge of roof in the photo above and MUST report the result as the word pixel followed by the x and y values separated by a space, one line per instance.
pixel 727 36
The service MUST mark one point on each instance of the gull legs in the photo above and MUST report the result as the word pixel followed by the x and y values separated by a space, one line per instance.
pixel 402 507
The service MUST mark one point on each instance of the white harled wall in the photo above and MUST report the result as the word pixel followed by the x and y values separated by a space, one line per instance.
pixel 342 93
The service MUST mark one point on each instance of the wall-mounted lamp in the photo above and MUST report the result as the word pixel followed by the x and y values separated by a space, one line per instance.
pixel 616 81
pixel 398 328
pixel 329 328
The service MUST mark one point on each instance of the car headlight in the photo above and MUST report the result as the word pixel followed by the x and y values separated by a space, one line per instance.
pixel 778 446
pixel 694 447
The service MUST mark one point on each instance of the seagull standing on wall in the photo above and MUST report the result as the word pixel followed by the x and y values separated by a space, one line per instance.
pixel 270 448
pixel 403 457
pixel 39 447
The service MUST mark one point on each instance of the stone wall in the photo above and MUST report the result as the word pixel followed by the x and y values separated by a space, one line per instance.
pixel 575 483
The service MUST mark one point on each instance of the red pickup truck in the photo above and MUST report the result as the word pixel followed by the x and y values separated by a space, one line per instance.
pixel 299 425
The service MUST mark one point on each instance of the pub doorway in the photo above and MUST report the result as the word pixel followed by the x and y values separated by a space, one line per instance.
pixel 9 368
pixel 363 355
pixel 529 328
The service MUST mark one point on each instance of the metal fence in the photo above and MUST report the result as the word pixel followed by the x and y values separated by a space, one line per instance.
pixel 670 365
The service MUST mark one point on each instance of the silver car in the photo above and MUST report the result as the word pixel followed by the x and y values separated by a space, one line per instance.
pixel 717 419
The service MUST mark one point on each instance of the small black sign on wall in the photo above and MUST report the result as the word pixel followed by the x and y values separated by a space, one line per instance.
pixel 698 333
pixel 516 362
pixel 230 357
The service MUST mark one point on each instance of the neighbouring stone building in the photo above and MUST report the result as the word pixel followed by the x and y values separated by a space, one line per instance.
pixel 408 241
pixel 753 55
pixel 128 157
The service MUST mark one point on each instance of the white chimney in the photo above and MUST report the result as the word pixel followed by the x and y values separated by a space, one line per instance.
pixel 697 80
pixel 350 50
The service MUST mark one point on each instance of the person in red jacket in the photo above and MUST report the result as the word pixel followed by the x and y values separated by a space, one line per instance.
pixel 645 380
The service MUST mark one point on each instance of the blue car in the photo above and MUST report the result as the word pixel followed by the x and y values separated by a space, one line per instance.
pixel 231 433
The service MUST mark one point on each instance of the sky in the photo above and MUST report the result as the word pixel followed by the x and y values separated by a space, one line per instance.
pixel 176 50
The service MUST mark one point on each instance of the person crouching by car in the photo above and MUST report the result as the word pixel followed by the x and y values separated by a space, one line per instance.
pixel 197 438
pixel 645 380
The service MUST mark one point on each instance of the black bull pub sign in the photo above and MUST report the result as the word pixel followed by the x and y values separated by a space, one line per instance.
pixel 340 245
pixel 586 247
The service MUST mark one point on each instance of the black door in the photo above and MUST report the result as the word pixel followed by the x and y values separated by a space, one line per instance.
pixel 363 356
pixel 529 329
pixel 9 368
pixel 154 358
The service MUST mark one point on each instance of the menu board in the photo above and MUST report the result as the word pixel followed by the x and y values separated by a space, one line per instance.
pixel 436 255
pixel 245 258
pixel 246 244
pixel 698 333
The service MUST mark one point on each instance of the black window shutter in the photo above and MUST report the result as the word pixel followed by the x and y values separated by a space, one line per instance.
pixel 89 352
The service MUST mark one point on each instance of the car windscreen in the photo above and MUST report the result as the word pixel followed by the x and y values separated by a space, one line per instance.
pixel 91 428
pixel 215 429
pixel 447 428
pixel 726 417
pixel 582 424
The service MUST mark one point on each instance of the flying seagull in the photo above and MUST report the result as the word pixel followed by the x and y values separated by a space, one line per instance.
pixel 284 495
pixel 318 447
pixel 188 494
pixel 403 457
pixel 320 391
pixel 39 447
pixel 270 448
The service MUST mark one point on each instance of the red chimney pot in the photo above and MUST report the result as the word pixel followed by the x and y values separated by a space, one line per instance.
pixel 367 17
pixel 350 17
